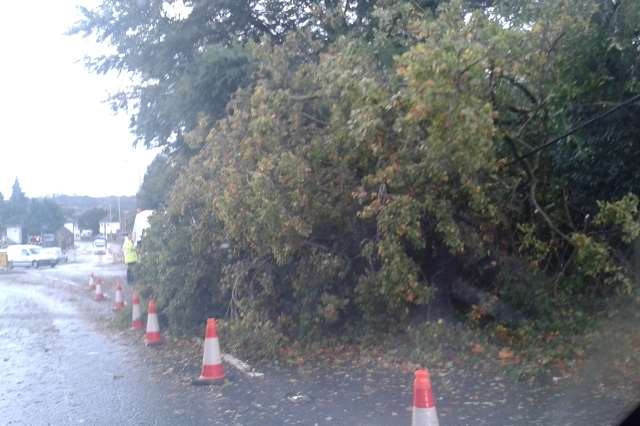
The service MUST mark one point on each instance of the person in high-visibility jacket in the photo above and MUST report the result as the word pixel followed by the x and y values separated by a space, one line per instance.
pixel 130 257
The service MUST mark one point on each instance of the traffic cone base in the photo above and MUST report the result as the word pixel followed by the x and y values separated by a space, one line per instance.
pixel 152 338
pixel 212 372
pixel 425 416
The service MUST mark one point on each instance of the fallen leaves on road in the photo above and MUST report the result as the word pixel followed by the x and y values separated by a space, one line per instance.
pixel 477 349
pixel 409 367
pixel 506 354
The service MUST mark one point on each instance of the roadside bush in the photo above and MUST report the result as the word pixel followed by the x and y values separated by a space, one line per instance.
pixel 348 185
pixel 180 266
pixel 252 338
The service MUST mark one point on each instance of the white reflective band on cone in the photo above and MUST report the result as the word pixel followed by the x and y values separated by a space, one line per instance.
pixel 424 417
pixel 211 354
pixel 135 313
pixel 152 323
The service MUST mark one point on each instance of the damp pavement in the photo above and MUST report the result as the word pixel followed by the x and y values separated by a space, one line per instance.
pixel 61 366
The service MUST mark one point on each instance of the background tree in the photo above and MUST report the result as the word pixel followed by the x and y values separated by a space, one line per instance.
pixel 35 216
pixel 17 206
pixel 189 57
pixel 91 218
pixel 158 182
pixel 44 216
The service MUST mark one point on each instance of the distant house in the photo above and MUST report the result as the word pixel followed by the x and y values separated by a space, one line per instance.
pixel 14 234
pixel 109 228
pixel 73 228
pixel 65 238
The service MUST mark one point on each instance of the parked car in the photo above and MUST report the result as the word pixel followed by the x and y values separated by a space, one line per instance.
pixel 29 255
pixel 57 253
pixel 100 245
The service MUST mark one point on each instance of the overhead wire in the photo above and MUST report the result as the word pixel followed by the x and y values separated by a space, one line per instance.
pixel 580 126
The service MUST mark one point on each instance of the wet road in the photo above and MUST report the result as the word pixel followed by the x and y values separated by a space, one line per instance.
pixel 58 370
pixel 62 366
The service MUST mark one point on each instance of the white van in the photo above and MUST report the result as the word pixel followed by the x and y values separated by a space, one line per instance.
pixel 140 224
pixel 29 255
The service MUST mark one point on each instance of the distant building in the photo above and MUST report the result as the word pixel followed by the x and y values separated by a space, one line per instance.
pixel 73 228
pixel 109 228
pixel 14 235
pixel 65 238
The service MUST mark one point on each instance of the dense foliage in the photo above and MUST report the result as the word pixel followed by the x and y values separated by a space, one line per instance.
pixel 157 183
pixel 353 162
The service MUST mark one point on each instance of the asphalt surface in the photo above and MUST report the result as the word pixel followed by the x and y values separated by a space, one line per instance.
pixel 62 366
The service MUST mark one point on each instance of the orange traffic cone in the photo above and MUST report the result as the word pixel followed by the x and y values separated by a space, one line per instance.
pixel 212 369
pixel 424 406
pixel 119 303
pixel 99 295
pixel 152 336
pixel 92 282
pixel 136 322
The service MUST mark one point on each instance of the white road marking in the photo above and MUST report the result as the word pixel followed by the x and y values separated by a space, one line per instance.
pixel 241 365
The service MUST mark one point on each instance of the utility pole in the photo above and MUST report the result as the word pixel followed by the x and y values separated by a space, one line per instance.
pixel 106 238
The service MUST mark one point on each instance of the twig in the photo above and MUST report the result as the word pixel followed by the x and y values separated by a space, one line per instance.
pixel 301 98
pixel 532 192
pixel 314 119
pixel 534 201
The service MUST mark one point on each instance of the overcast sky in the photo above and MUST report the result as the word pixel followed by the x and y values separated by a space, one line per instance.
pixel 58 135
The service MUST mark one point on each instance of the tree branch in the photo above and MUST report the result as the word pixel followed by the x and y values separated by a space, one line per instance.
pixel 314 119
pixel 302 98
pixel 532 192
pixel 545 216
pixel 524 89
